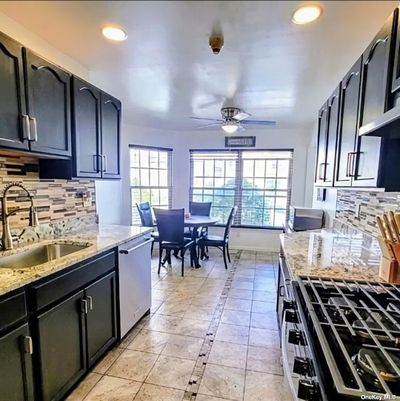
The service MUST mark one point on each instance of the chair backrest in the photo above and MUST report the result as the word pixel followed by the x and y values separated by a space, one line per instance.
pixel 229 223
pixel 145 213
pixel 170 224
pixel 200 208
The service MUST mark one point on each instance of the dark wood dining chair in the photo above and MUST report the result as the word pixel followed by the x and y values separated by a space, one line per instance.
pixel 171 224
pixel 219 242
pixel 200 208
pixel 146 218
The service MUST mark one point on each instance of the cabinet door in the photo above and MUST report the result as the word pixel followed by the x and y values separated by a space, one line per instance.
pixel 322 144
pixel 348 120
pixel 12 99
pixel 373 103
pixel 62 347
pixel 101 317
pixel 332 130
pixel 396 63
pixel 110 136
pixel 16 378
pixel 86 129
pixel 48 90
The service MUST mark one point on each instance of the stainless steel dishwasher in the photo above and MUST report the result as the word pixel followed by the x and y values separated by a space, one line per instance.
pixel 134 282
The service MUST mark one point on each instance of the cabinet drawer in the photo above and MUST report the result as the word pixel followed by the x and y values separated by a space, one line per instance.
pixel 52 290
pixel 12 310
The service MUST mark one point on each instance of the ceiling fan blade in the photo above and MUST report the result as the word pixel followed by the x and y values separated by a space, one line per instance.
pixel 259 122
pixel 241 116
pixel 209 125
pixel 205 119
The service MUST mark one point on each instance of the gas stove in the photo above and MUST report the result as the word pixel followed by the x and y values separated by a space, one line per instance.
pixel 351 331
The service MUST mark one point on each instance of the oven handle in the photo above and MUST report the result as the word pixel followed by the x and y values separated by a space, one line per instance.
pixel 285 359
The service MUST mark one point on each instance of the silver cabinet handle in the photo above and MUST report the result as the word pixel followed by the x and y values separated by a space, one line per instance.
pixel 33 129
pixel 127 251
pixel 84 305
pixel 28 345
pixel 26 128
pixel 104 157
pixel 90 299
pixel 95 163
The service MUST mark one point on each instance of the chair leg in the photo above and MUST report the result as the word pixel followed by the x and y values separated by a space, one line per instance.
pixel 224 252
pixel 159 258
pixel 152 247
pixel 183 262
pixel 227 252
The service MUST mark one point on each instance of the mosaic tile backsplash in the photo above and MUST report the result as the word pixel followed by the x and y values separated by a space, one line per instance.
pixel 371 204
pixel 56 201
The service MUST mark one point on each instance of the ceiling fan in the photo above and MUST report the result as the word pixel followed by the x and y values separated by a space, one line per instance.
pixel 233 119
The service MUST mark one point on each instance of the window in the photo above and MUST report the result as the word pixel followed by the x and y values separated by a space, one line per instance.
pixel 257 181
pixel 150 178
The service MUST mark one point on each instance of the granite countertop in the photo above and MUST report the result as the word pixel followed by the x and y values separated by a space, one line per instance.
pixel 98 238
pixel 330 253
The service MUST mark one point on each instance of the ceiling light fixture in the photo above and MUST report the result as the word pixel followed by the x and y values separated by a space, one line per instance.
pixel 230 127
pixel 306 14
pixel 113 33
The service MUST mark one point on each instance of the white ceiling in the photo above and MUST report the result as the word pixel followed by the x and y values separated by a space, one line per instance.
pixel 166 72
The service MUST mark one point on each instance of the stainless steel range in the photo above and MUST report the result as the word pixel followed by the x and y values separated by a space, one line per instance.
pixel 341 340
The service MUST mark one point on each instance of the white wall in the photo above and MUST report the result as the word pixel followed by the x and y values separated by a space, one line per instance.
pixel 40 46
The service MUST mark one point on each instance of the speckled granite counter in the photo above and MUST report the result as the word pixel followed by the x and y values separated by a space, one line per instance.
pixel 331 253
pixel 98 238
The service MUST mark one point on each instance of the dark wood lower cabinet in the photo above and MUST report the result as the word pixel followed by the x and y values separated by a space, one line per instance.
pixel 62 347
pixel 16 376
pixel 101 317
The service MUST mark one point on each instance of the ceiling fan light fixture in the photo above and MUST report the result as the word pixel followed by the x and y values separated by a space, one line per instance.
pixel 306 14
pixel 230 127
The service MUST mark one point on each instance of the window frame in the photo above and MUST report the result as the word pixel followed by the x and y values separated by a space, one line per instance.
pixel 169 173
pixel 239 182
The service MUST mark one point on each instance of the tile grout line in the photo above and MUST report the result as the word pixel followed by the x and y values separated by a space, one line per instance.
pixel 201 362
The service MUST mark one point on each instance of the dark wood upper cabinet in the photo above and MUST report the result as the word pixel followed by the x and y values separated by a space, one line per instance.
pixel 373 103
pixel 86 125
pixel 396 56
pixel 48 104
pixel 333 106
pixel 110 136
pixel 16 374
pixel 347 129
pixel 13 119
pixel 322 144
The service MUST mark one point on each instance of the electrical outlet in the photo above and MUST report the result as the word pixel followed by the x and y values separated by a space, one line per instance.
pixel 87 201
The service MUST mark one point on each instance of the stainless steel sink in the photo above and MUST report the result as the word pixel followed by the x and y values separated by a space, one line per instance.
pixel 38 255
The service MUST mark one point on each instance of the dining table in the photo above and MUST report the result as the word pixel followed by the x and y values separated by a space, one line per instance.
pixel 195 222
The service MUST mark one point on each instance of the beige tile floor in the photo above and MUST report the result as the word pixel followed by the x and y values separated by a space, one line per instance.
pixel 211 336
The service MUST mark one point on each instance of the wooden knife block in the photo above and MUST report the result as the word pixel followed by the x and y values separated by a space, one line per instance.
pixel 389 270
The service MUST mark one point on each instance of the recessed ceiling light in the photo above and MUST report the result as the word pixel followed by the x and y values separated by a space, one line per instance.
pixel 306 14
pixel 113 33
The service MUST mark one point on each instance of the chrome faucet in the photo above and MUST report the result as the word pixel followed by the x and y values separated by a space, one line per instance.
pixel 7 239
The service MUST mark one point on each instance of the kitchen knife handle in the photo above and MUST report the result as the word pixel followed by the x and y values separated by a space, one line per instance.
pixel 392 236
pixel 395 227
pixel 381 228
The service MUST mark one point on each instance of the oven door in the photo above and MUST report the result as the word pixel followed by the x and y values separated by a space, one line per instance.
pixel 296 359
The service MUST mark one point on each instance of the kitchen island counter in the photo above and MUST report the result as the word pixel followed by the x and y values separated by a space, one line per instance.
pixel 331 253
